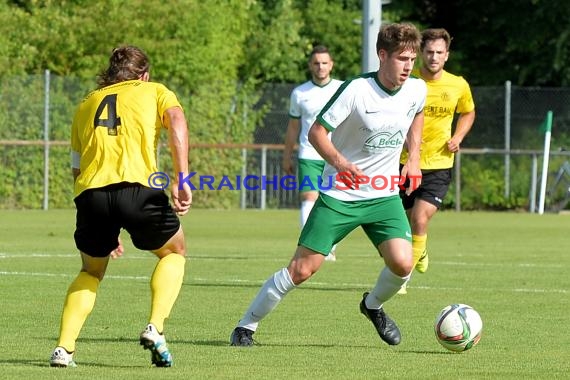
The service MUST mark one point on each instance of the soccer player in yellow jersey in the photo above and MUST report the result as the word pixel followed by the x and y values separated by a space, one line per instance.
pixel 447 94
pixel 114 137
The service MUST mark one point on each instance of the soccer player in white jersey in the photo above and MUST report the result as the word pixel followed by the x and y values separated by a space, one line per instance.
pixel 306 102
pixel 371 117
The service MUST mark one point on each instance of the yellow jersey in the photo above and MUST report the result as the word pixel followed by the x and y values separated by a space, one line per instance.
pixel 445 96
pixel 116 129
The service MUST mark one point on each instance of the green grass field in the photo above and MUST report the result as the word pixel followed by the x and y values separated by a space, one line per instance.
pixel 513 268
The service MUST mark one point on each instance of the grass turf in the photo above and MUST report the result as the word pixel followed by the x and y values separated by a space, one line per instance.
pixel 512 268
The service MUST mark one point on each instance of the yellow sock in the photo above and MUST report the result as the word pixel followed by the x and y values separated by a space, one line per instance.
pixel 419 243
pixel 79 302
pixel 165 285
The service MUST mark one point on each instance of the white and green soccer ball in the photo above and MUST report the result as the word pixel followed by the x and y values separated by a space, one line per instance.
pixel 458 327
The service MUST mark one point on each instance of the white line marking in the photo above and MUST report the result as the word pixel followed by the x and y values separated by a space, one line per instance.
pixel 149 256
pixel 259 282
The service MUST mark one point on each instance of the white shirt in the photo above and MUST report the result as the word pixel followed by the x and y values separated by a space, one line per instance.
pixel 307 100
pixel 369 125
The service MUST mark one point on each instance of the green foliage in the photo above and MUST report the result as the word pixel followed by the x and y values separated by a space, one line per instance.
pixel 276 49
pixel 193 50
pixel 22 105
pixel 483 185
pixel 494 41
pixel 219 55
pixel 336 24
pixel 17 50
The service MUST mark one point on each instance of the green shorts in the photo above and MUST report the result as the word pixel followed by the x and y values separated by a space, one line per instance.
pixel 331 220
pixel 310 171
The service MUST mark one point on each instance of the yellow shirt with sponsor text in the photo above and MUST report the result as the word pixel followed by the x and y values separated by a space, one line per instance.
pixel 116 129
pixel 445 96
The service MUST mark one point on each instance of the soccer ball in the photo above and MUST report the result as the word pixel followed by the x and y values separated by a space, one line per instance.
pixel 458 327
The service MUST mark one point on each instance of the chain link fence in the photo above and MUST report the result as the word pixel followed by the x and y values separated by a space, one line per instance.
pixel 508 120
pixel 524 107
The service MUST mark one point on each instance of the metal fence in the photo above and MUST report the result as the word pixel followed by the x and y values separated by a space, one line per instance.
pixel 506 128
pixel 508 117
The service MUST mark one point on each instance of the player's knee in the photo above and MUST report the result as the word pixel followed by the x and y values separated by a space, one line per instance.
pixel 300 272
pixel 167 249
pixel 419 223
pixel 94 266
pixel 401 265
pixel 300 276
pixel 407 269
pixel 401 270
pixel 176 245
pixel 98 273
pixel 304 264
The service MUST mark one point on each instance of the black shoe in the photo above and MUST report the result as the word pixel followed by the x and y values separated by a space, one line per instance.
pixel 387 328
pixel 241 337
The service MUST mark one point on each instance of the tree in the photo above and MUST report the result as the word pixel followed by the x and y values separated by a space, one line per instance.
pixel 336 24
pixel 195 47
pixel 275 48
pixel 526 42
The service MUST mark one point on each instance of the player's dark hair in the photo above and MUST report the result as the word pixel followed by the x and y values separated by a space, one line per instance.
pixel 398 37
pixel 320 49
pixel 125 63
pixel 435 34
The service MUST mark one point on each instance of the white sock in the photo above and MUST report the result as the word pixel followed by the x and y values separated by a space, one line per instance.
pixel 386 287
pixel 306 207
pixel 271 293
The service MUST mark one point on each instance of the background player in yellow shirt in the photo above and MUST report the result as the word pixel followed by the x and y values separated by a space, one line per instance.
pixel 447 94
pixel 114 136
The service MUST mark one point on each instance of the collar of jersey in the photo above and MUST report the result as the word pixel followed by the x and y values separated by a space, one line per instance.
pixel 389 92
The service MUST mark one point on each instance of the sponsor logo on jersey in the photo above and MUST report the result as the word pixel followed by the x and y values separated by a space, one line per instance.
pixel 384 140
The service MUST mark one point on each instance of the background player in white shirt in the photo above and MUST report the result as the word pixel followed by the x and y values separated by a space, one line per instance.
pixel 307 100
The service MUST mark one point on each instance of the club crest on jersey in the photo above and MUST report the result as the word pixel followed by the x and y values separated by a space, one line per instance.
pixel 383 140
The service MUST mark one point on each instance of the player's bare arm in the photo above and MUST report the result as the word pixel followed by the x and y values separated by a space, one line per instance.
pixel 75 172
pixel 413 142
pixel 291 137
pixel 175 121
pixel 318 137
pixel 464 123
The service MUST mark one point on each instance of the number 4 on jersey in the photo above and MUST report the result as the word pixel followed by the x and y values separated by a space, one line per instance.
pixel 112 121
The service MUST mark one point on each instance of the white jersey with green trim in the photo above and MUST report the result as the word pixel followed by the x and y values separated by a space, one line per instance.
pixel 307 100
pixel 369 125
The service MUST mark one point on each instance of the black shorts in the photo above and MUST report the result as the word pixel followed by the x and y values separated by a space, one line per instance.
pixel 145 213
pixel 434 187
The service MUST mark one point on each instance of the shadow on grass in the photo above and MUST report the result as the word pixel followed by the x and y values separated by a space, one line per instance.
pixel 257 285
pixel 226 343
pixel 45 363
